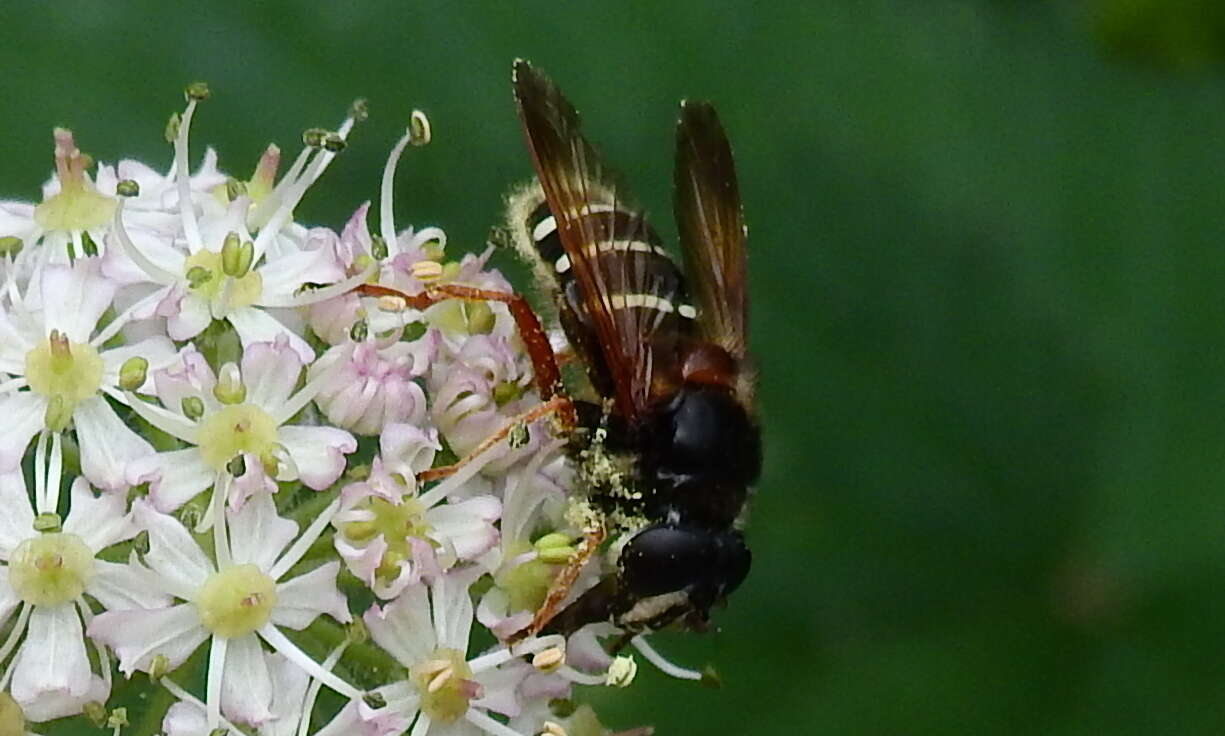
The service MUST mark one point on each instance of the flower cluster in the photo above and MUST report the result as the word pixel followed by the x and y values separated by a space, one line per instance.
pixel 209 492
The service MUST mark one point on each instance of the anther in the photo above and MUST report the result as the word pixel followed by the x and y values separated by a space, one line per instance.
pixel 418 129
pixel 334 142
pixel 313 137
pixel 440 680
pixel 234 189
pixel 389 303
pixel 374 700
pixel 118 718
pixel 359 110
pixel 359 331
pixel 550 728
pixel 549 660
pixel 427 270
pixel 229 388
pixel 95 712
pixel 127 188
pixel 378 247
pixel 192 406
pixel 47 522
pixel 621 672
pixel 198 276
pixel 519 436
pixel 133 372
pixel 159 667
pixel 198 91
pixel 87 244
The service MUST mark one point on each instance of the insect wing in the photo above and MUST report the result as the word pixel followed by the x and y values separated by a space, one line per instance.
pixel 621 280
pixel 711 225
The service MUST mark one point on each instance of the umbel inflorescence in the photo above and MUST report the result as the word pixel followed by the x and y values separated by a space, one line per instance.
pixel 210 518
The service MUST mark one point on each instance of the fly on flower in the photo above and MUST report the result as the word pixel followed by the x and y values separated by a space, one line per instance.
pixel 661 432
pixel 665 443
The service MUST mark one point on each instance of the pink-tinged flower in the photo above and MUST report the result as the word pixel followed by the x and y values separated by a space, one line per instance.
pixel 370 384
pixel 244 415
pixel 476 390
pixel 50 343
pixel 390 536
pixel 236 603
pixel 45 580
pixel 427 630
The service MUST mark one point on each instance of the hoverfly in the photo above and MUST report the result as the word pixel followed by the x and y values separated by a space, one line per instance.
pixel 670 447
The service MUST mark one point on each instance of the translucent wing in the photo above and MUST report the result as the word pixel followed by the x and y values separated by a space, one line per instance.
pixel 711 225
pixel 625 287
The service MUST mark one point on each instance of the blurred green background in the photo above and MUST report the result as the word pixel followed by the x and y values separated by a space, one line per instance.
pixel 987 260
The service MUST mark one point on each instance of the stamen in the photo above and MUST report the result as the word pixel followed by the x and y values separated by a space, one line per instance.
pixel 164 419
pixel 278 641
pixel 417 133
pixel 664 666
pixel 187 210
pixel 216 666
pixel 155 272
pixel 303 543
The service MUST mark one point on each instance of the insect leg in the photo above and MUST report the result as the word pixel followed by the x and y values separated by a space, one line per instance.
pixel 544 363
pixel 559 404
pixel 593 537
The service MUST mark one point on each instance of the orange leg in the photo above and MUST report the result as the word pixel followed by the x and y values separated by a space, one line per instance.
pixel 566 577
pixel 544 363
pixel 559 404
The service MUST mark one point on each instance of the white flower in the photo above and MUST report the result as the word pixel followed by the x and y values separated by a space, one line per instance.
pixel 46 575
pixel 49 343
pixel 251 423
pixel 427 630
pixel 372 383
pixel 236 603
pixel 220 271
pixel 389 536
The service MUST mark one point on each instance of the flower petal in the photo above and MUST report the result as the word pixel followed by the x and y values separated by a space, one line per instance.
pixel 74 298
pixel 123 586
pixel 137 636
pixel 17 521
pixel 318 452
pixel 173 554
pixel 99 521
pixel 53 657
pixel 304 598
pixel 255 325
pixel 174 477
pixel 246 685
pixel 270 371
pixel 107 444
pixel 403 626
pixel 23 414
pixel 257 534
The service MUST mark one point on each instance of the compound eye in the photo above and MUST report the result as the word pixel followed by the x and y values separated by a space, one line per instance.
pixel 662 559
